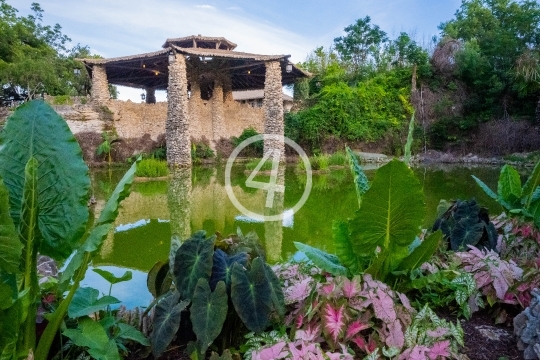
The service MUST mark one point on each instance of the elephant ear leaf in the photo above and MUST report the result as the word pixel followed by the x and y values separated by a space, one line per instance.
pixel 390 216
pixel 222 267
pixel 509 186
pixel 361 182
pixel 251 295
pixel 422 253
pixel 193 261
pixel 159 280
pixel 531 186
pixel 344 248
pixel 166 322
pixel 35 130
pixel 10 246
pixel 327 262
pixel 208 312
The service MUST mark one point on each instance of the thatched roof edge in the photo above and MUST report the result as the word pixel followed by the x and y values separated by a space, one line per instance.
pixel 228 54
pixel 199 38
pixel 125 58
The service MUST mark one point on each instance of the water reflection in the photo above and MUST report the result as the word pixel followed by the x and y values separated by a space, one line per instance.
pixel 179 203
pixel 273 230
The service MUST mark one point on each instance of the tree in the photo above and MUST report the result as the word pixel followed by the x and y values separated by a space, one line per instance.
pixel 362 44
pixel 527 71
pixel 494 33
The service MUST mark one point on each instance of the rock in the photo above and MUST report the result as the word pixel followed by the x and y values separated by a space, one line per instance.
pixel 527 328
pixel 492 333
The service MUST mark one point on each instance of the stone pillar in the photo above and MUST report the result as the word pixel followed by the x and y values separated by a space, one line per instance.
pixel 100 85
pixel 177 127
pixel 218 114
pixel 227 88
pixel 179 193
pixel 273 108
pixel 150 95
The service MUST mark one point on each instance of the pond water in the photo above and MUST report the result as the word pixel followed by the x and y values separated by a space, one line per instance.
pixel 197 199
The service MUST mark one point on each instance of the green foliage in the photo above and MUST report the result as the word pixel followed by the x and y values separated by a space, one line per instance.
pixel 10 246
pixel 361 183
pixel 85 302
pixel 255 149
pixel 105 148
pixel 515 199
pixel 466 223
pixel 252 164
pixel 328 262
pixel 152 168
pixel 338 158
pixel 495 34
pixel 62 100
pixel 159 280
pixel 201 150
pixel 245 293
pixel 407 158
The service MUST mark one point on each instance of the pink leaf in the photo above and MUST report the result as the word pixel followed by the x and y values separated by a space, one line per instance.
pixel 439 349
pixel 418 352
pixel 360 342
pixel 350 288
pixel 354 328
pixel 383 305
pixel 273 352
pixel 334 321
pixel 395 336
pixel 437 333
pixel 327 289
pixel 405 301
pixel 311 334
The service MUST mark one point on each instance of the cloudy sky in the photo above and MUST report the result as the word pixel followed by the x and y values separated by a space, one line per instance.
pixel 125 27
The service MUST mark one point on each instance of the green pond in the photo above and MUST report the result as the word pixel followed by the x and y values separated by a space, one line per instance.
pixel 197 199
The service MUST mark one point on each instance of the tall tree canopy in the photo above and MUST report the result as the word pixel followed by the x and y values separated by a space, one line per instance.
pixel 34 57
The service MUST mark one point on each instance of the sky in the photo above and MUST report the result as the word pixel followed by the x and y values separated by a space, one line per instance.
pixel 114 28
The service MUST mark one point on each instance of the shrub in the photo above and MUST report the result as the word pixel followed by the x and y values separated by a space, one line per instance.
pixel 318 162
pixel 152 168
pixel 255 149
pixel 62 100
pixel 337 158
pixel 201 150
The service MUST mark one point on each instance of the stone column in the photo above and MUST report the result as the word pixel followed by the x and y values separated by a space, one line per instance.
pixel 100 85
pixel 150 95
pixel 179 193
pixel 273 108
pixel 177 127
pixel 218 114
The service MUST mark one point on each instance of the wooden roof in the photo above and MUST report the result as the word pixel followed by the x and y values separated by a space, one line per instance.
pixel 247 71
pixel 208 42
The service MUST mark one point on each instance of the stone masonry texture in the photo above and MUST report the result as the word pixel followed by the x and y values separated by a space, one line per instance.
pixel 273 108
pixel 100 85
pixel 177 132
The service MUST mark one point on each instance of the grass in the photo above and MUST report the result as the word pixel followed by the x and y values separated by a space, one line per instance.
pixel 152 168
pixel 252 164
pixel 338 158
pixel 318 162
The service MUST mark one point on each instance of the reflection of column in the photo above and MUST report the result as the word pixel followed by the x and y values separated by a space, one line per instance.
pixel 100 84
pixel 177 127
pixel 179 201
pixel 273 230
pixel 273 108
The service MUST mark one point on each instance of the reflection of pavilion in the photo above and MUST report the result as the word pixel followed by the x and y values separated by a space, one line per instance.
pixel 199 74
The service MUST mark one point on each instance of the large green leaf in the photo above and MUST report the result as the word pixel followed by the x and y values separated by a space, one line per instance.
pixel 390 216
pixel 159 280
pixel 166 322
pixel 86 302
pixel 509 185
pixel 104 223
pixel 328 262
pixel 63 184
pixel 90 334
pixel 111 279
pixel 361 182
pixel 531 185
pixel 193 261
pixel 128 332
pixel 208 312
pixel 250 293
pixel 276 292
pixel 344 249
pixel 222 267
pixel 10 246
pixel 422 253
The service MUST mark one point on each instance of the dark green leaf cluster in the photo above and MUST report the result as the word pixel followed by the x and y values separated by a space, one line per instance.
pixel 221 292
pixel 465 223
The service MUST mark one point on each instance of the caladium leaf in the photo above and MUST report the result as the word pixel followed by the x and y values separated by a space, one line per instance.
pixel 251 295
pixel 193 261
pixel 208 312
pixel 334 318
pixel 35 130
pixel 166 322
